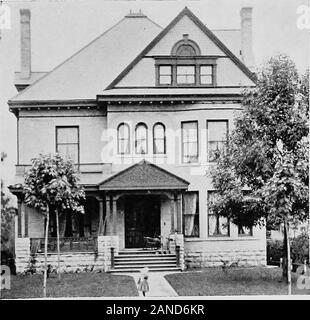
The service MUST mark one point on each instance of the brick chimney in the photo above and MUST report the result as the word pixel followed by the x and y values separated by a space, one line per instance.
pixel 246 37
pixel 25 45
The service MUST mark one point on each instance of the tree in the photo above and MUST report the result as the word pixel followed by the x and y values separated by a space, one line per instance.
pixel 263 171
pixel 7 224
pixel 52 183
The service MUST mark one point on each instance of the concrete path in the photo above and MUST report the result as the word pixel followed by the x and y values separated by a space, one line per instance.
pixel 159 286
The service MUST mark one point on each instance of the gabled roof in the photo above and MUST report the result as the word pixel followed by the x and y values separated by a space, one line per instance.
pixel 87 72
pixel 143 176
pixel 209 34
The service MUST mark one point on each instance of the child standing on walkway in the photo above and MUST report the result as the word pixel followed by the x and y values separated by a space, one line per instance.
pixel 143 285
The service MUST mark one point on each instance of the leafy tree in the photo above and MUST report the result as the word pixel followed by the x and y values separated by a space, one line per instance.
pixel 263 171
pixel 52 182
pixel 7 222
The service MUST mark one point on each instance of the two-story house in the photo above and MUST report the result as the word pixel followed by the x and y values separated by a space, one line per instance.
pixel 141 110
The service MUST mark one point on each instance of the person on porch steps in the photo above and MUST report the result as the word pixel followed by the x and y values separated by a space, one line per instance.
pixel 143 284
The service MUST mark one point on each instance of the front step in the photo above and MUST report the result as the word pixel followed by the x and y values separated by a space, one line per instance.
pixel 133 260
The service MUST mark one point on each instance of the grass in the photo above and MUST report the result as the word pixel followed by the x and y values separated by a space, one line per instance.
pixel 237 281
pixel 71 285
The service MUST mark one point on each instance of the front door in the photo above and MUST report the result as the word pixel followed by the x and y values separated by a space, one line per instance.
pixel 142 219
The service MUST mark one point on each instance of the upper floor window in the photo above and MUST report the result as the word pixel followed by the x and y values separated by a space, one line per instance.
pixel 165 75
pixel 123 139
pixel 217 137
pixel 159 136
pixel 186 74
pixel 206 74
pixel 189 141
pixel 67 142
pixel 141 138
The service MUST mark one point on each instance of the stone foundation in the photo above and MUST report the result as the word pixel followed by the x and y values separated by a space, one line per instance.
pixel 69 261
pixel 231 253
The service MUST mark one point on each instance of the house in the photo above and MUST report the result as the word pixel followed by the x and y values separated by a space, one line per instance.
pixel 141 110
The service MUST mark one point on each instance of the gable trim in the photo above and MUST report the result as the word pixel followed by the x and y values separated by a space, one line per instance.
pixel 186 183
pixel 199 24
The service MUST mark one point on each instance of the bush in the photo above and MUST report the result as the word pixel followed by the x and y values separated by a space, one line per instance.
pixel 300 248
pixel 275 251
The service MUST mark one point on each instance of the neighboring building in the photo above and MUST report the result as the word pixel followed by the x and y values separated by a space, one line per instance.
pixel 141 110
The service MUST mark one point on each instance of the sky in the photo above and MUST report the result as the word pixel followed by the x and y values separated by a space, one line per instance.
pixel 61 27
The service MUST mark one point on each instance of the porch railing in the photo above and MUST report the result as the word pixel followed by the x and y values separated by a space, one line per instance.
pixel 70 244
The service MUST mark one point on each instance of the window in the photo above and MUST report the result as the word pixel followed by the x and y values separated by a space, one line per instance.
pixel 67 142
pixel 123 139
pixel 165 75
pixel 217 225
pixel 217 137
pixel 245 231
pixel 191 214
pixel 206 75
pixel 189 141
pixel 186 74
pixel 159 136
pixel 141 138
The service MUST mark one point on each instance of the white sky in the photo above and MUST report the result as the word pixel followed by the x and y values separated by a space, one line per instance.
pixel 61 27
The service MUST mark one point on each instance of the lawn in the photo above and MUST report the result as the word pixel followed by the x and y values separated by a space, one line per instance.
pixel 237 281
pixel 71 285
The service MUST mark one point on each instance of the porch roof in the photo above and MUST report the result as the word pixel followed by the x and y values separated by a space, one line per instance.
pixel 143 176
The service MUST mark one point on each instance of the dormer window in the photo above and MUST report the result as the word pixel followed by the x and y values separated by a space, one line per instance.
pixel 185 66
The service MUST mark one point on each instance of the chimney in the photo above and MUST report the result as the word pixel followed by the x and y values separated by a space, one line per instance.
pixel 246 37
pixel 25 58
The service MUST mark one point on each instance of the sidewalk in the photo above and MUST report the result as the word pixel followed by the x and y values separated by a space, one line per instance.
pixel 159 286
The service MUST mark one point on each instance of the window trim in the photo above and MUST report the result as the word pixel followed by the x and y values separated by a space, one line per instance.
pixel 154 138
pixel 158 75
pixel 78 140
pixel 208 215
pixel 147 144
pixel 207 127
pixel 118 138
pixel 182 142
pixel 196 214
pixel 174 61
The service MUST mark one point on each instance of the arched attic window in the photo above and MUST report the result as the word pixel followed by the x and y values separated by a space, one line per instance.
pixel 123 139
pixel 185 48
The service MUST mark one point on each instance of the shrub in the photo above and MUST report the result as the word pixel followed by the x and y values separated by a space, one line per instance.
pixel 300 248
pixel 275 251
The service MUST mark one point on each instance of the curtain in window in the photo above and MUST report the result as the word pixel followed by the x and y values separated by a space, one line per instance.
pixel 190 202
pixel 159 138
pixel 141 139
pixel 123 139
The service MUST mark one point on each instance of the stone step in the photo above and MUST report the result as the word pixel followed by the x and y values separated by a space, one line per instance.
pixel 140 266
pixel 142 256
pixel 138 252
pixel 142 262
pixel 157 269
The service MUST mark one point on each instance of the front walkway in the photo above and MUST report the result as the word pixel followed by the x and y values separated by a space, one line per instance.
pixel 159 286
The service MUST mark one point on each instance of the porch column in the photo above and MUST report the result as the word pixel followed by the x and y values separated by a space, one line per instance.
pixel 108 214
pixel 179 213
pixel 100 229
pixel 19 218
pixel 172 205
pixel 114 215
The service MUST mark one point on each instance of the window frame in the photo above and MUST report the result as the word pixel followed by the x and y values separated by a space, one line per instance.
pixel 218 235
pixel 182 141
pixel 78 140
pixel 146 129
pixel 185 83
pixel 207 127
pixel 154 138
pixel 158 75
pixel 118 138
pixel 175 61
pixel 196 214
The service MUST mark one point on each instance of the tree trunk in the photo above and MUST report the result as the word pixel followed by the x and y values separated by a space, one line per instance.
pixel 284 258
pixel 45 251
pixel 289 281
pixel 58 244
